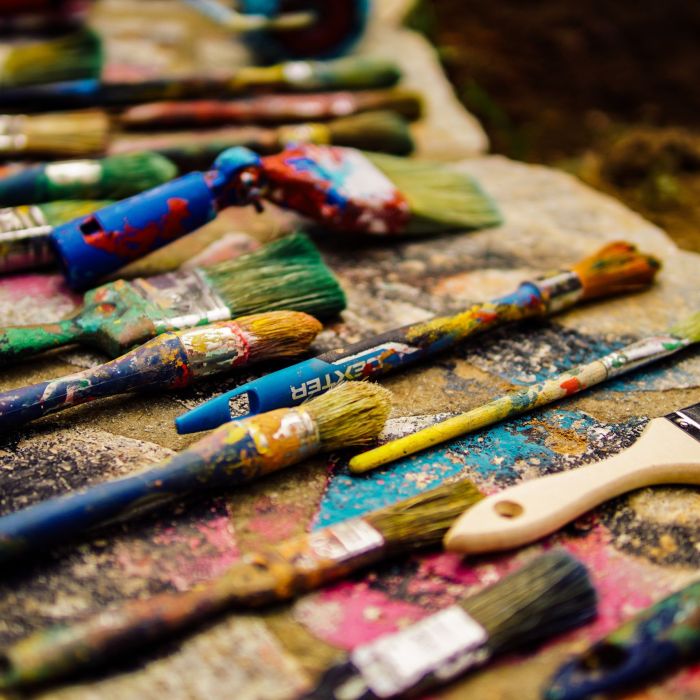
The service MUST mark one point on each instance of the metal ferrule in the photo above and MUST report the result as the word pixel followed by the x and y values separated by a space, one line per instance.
pixel 305 133
pixel 560 291
pixel 86 172
pixel 214 349
pixel 24 239
pixel 641 353
pixel 345 540
pixel 688 420
pixel 186 297
pixel 12 137
pixel 296 427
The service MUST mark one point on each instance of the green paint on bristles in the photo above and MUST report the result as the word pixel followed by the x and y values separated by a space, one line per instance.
pixel 441 199
pixel 381 131
pixel 76 56
pixel 285 274
pixel 61 211
pixel 688 328
pixel 356 73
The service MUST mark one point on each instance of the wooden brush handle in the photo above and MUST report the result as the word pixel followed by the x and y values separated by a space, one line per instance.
pixel 524 513
pixel 23 341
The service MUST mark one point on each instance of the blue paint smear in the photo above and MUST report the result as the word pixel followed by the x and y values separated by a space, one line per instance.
pixel 493 456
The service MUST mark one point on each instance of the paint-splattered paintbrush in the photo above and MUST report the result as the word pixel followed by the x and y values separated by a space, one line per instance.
pixel 59 134
pixel 172 360
pixel 339 188
pixel 382 132
pixel 612 365
pixel 550 595
pixel 287 274
pixel 352 414
pixel 115 177
pixel 667 452
pixel 351 73
pixel 282 571
pixel 616 268
pixel 654 642
pixel 71 57
pixel 25 232
pixel 270 109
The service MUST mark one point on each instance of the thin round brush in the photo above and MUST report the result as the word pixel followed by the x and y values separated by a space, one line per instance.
pixel 66 134
pixel 71 57
pixel 234 454
pixel 550 595
pixel 25 232
pixel 172 360
pixel 287 274
pixel 114 177
pixel 285 570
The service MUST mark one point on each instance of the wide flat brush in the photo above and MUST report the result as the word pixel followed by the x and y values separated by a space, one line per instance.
pixel 350 73
pixel 58 134
pixel 612 365
pixel 548 596
pixel 270 109
pixel 25 232
pixel 287 274
pixel 115 177
pixel 279 572
pixel 172 360
pixel 234 454
pixel 70 57
pixel 667 452
pixel 614 269
pixel 653 643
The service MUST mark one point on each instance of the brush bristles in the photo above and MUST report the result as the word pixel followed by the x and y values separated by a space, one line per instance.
pixel 548 596
pixel 688 328
pixel 131 173
pixel 65 133
pixel 73 57
pixel 616 268
pixel 285 274
pixel 423 520
pixel 441 199
pixel 279 333
pixel 383 131
pixel 66 210
pixel 353 413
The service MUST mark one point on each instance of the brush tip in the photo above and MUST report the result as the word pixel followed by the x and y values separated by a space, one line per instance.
pixel 688 328
pixel 280 333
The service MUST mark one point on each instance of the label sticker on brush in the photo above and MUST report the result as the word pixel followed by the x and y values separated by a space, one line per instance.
pixel 186 299
pixel 345 540
pixel 688 420
pixel 86 172
pixel 642 352
pixel 443 644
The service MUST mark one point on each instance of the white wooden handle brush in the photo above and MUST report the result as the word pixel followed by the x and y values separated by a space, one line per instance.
pixel 667 452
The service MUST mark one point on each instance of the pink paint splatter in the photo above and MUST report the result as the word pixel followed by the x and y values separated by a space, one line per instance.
pixel 38 286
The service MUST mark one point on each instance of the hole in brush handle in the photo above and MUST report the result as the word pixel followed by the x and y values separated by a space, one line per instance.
pixel 508 509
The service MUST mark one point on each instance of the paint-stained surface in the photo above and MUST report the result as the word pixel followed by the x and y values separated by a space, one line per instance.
pixel 639 547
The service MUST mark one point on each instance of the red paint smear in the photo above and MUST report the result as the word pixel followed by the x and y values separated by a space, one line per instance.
pixel 571 386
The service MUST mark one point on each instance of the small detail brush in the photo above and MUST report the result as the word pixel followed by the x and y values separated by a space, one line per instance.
pixel 350 73
pixel 653 643
pixel 115 177
pixel 236 453
pixel 25 232
pixel 172 360
pixel 667 452
pixel 616 268
pixel 58 134
pixel 71 57
pixel 282 571
pixel 638 354
pixel 287 274
pixel 383 132
pixel 270 109
pixel 548 596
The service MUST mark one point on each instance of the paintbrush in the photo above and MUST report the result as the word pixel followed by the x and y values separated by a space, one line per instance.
pixel 115 177
pixel 25 232
pixel 382 132
pixel 351 73
pixel 59 134
pixel 270 109
pixel 70 57
pixel 287 274
pixel 653 643
pixel 548 596
pixel 340 188
pixel 643 352
pixel 667 452
pixel 616 268
pixel 234 454
pixel 279 572
pixel 172 360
